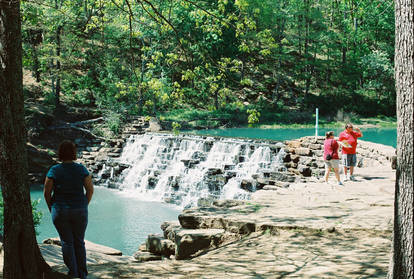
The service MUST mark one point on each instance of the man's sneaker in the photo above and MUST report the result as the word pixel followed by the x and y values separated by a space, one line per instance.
pixel 346 178
pixel 340 183
pixel 352 178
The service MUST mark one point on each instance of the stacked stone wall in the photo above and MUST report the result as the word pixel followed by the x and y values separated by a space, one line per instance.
pixel 304 156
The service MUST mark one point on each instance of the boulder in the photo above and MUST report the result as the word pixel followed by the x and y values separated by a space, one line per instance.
pixel 303 151
pixel 170 229
pixel 305 171
pixel 189 221
pixel 291 165
pixel 214 171
pixel 247 184
pixel 293 144
pixel 190 243
pixel 295 158
pixel 306 161
pixel 287 157
pixel 240 227
pixel 190 163
pixel 315 146
pixel 158 245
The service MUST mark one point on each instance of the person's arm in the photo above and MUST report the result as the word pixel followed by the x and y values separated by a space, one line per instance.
pixel 359 131
pixel 335 146
pixel 88 187
pixel 47 192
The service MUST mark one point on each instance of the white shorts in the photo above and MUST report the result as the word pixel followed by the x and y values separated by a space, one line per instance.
pixel 333 163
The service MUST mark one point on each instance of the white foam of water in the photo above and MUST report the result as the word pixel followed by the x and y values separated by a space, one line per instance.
pixel 158 171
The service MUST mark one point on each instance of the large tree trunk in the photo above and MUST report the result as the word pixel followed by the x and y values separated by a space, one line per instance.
pixel 22 257
pixel 402 258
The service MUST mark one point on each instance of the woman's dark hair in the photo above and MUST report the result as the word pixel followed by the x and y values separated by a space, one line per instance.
pixel 348 125
pixel 329 134
pixel 67 151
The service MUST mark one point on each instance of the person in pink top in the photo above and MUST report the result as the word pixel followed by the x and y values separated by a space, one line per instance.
pixel 330 147
pixel 348 138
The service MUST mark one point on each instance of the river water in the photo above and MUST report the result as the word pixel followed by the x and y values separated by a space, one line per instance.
pixel 123 221
pixel 115 219
pixel 387 136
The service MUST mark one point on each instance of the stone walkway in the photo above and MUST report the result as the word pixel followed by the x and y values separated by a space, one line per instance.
pixel 325 231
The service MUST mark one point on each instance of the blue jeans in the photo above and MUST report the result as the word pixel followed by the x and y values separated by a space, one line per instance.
pixel 71 226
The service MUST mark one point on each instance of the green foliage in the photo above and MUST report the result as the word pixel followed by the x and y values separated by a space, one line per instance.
pixel 37 215
pixel 211 55
pixel 253 116
pixel 113 121
pixel 176 128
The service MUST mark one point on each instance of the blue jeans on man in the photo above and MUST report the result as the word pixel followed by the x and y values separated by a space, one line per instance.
pixel 71 225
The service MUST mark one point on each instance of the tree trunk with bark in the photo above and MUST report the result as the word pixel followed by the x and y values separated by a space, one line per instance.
pixel 22 257
pixel 402 260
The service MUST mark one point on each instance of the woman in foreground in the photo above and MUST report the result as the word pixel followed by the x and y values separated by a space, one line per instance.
pixel 68 190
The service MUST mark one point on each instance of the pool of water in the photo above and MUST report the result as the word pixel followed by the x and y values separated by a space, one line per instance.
pixel 116 219
pixel 387 136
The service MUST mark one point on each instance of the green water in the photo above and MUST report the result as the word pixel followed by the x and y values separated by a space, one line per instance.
pixel 387 136
pixel 116 219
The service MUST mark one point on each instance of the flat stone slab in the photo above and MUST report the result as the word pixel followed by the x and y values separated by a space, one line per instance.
pixel 53 256
pixel 90 246
pixel 143 256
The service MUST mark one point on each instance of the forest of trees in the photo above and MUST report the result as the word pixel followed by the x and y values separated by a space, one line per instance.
pixel 148 57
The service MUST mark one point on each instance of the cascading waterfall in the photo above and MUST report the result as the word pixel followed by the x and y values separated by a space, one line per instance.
pixel 185 168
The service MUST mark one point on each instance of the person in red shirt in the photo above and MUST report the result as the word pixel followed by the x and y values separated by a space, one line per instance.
pixel 348 138
pixel 330 147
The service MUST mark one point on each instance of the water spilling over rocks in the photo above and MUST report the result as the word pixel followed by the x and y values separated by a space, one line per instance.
pixel 184 169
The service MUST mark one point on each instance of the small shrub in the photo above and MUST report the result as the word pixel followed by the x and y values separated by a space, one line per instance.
pixel 175 128
pixel 37 215
pixel 253 116
pixel 114 122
